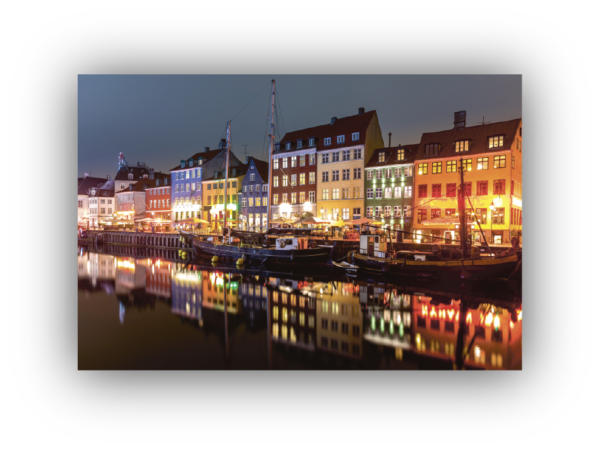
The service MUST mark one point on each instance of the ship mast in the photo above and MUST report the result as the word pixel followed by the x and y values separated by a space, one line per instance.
pixel 226 174
pixel 270 162
pixel 464 241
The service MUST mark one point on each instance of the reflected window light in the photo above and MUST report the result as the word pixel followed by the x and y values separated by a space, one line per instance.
pixel 284 315
pixel 284 331
pixel 275 313
pixel 276 330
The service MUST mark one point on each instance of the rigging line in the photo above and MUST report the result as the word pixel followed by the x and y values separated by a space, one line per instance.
pixel 250 102
pixel 264 149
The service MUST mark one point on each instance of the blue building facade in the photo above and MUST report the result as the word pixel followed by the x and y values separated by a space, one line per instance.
pixel 254 197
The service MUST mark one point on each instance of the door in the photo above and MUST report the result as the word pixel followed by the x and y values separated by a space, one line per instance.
pixel 448 238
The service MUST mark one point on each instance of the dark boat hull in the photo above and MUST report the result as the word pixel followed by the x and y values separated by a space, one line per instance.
pixel 496 268
pixel 262 255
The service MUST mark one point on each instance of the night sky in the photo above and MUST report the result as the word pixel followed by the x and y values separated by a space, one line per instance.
pixel 162 119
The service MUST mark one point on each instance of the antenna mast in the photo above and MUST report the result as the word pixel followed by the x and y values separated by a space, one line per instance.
pixel 272 138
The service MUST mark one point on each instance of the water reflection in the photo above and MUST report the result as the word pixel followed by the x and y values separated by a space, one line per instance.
pixel 232 319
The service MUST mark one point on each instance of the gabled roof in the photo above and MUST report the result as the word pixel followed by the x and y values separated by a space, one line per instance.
pixel 477 134
pixel 341 126
pixel 391 155
pixel 85 183
pixel 206 156
pixel 106 190
pixel 262 167
pixel 137 171
pixel 152 182
pixel 240 170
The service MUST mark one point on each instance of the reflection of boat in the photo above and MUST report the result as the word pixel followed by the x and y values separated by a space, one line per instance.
pixel 350 268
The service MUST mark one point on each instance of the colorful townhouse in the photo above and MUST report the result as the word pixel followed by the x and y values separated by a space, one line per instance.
pixel 389 188
pixel 84 186
pixel 294 174
pixel 101 203
pixel 492 158
pixel 345 145
pixel 254 196
pixel 131 203
pixel 158 198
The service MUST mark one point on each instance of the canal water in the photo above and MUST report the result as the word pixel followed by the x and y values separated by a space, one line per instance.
pixel 150 313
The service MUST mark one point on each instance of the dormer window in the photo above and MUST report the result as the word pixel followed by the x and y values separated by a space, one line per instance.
pixel 327 141
pixel 276 147
pixel 400 154
pixel 496 142
pixel 432 149
pixel 299 144
pixel 288 146
pixel 311 142
pixel 381 157
pixel 130 176
pixel 355 136
pixel 190 163
pixel 462 146
pixel 341 138
pixel 183 163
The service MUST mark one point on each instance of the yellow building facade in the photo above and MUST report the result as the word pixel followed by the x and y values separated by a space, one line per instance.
pixel 213 196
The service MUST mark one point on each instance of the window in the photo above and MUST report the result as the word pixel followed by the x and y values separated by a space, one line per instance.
pixel 288 146
pixel 303 179
pixel 79 203
pixel 341 138
pixel 275 164
pixel 285 180
pixel 302 196
pixel 451 166
pixel 421 215
pixel 335 214
pixel 422 168
pixel 500 161
pixel 498 215
pixel 335 156
pixel 378 212
pixel 468 188
pixel 423 191
pixel 335 193
pixel 293 162
pixel 397 211
pixel 250 202
pixel 346 155
pixel 467 164
pixel 436 190
pixel 408 191
pixel 381 158
pixel 257 202
pixel 102 201
pixel 293 200
pixel 408 171
pixel 369 175
pixel 311 196
pixel 311 141
pixel 345 193
pixel 513 162
pixel 357 154
pixel 325 158
pixel 496 142
pixel 388 173
pixel 355 136
pixel 400 155
pixel 451 190
pixel 275 182
pixel 450 212
pixel 130 176
pixel 284 198
pixel 378 174
pixel 387 211
pixel 311 177
pixel 325 194
pixel 327 141
pixel 102 210
pixel 299 144
pixel 346 174
pixel 482 188
pixel 302 160
pixel 378 192
pixel 284 163
pixel 369 212
pixel 311 159
pixel 482 163
pixel 293 181
pixel 432 149
pixel 461 146
pixel 243 201
pixel 397 172
pixel 325 176
pixel 357 173
pixel 335 175
pixel 356 192
pixel 369 193
pixel 388 192
pixel 346 213
pixel 481 215
pixel 499 188
pixel 275 199
pixel 397 192
pixel 436 213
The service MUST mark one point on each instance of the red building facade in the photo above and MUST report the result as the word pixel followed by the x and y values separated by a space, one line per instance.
pixel 158 199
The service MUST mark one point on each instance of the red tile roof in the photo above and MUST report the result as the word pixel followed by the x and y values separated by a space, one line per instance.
pixel 477 134
pixel 410 152
pixel 341 126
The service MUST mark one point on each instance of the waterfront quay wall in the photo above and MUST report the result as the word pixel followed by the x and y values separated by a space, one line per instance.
pixel 141 239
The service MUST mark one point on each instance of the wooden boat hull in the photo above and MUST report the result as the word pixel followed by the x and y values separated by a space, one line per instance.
pixel 262 255
pixel 495 268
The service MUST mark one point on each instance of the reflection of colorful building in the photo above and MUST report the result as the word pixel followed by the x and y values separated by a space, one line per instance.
pixel 339 318
pixel 293 313
pixel 130 275
pixel 254 300
pixel 497 334
pixel 389 325
pixel 158 278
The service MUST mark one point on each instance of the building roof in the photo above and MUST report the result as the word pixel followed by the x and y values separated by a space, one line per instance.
pixel 151 183
pixel 341 126
pixel 391 155
pixel 106 190
pixel 262 167
pixel 240 170
pixel 477 134
pixel 137 171
pixel 85 183
pixel 206 156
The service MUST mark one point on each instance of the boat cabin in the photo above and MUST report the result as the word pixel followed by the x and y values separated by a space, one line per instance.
pixel 292 243
pixel 373 245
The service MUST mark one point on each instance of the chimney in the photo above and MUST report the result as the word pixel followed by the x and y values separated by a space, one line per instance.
pixel 247 160
pixel 333 120
pixel 206 149
pixel 460 120
pixel 390 140
pixel 361 111
pixel 107 177
pixel 86 175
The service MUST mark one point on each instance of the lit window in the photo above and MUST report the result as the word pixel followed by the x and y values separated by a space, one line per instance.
pixel 451 166
pixel 302 179
pixel 496 142
pixel 482 163
pixel 422 168
pixel 284 163
pixel 400 154
pixel 381 157
pixel 436 167
pixel 461 146
pixel 276 164
pixel 500 161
